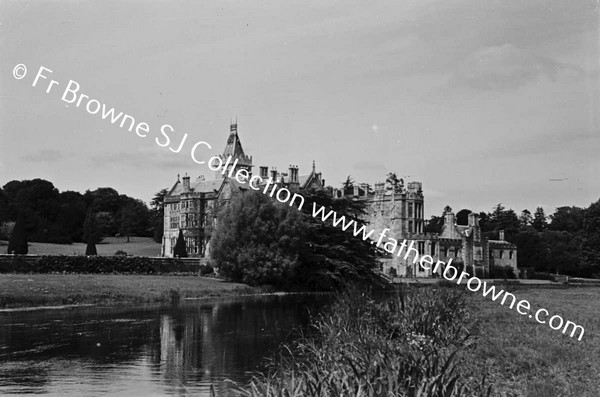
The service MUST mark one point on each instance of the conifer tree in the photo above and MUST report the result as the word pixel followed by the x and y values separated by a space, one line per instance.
pixel 18 238
pixel 180 250
pixel 540 222
pixel 90 230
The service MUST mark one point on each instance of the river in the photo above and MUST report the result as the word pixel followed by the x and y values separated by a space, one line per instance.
pixel 146 351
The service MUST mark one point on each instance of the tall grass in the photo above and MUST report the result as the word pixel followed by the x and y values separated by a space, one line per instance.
pixel 397 346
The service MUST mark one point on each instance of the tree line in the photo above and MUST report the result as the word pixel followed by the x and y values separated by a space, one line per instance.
pixel 44 214
pixel 565 242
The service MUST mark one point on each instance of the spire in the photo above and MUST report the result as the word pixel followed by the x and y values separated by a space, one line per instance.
pixel 234 146
pixel 313 165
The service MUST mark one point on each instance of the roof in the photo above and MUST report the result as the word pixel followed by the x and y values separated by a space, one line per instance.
pixel 197 186
pixel 234 145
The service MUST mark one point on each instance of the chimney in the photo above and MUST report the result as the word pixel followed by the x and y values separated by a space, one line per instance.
pixel 293 173
pixel 501 235
pixel 449 218
pixel 186 182
pixel 473 219
pixel 264 172
pixel 274 174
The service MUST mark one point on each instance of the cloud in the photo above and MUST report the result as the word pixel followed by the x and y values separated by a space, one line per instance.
pixel 44 156
pixel 506 66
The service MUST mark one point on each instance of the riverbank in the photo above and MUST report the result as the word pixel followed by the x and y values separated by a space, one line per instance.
pixel 362 345
pixel 32 290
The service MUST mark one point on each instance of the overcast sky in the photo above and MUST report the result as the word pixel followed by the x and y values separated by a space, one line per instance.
pixel 483 101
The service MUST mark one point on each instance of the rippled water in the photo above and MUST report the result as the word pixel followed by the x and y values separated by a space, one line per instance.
pixel 145 351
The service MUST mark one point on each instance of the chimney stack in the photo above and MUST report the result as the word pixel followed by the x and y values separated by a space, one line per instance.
pixel 473 219
pixel 186 182
pixel 264 172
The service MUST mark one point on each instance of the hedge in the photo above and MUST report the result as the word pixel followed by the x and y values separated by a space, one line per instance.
pixel 90 265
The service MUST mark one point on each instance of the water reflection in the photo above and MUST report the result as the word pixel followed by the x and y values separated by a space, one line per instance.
pixel 175 350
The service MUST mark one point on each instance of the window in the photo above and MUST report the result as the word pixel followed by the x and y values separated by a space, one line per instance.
pixel 433 248
pixel 410 210
pixel 421 247
pixel 501 254
pixel 410 226
pixel 510 254
pixel 446 252
pixel 457 252
pixel 174 222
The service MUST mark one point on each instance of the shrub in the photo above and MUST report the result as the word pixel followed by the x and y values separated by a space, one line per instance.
pixel 207 270
pixel 497 271
pixel 120 253
pixel 180 251
pixel 18 239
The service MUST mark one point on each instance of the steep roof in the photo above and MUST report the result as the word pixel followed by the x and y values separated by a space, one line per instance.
pixel 197 186
pixel 233 147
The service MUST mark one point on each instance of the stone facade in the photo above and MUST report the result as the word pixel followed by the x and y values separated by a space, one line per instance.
pixel 399 208
pixel 192 206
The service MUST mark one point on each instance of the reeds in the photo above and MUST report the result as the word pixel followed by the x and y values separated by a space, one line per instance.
pixel 395 346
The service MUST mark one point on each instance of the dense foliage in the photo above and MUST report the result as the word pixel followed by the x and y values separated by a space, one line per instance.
pixel 405 346
pixel 58 217
pixel 261 241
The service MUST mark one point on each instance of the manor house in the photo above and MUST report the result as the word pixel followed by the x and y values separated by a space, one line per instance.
pixel 192 205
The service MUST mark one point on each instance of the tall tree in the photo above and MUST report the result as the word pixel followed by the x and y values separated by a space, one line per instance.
pixel 348 185
pixel 134 219
pixel 180 250
pixel 91 233
pixel 18 238
pixel 525 219
pixel 158 213
pixel 462 217
pixel 568 219
pixel 257 241
pixel 332 257
pixel 260 241
pixel 540 222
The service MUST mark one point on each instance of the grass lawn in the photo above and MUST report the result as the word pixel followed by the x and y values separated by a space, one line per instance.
pixel 138 246
pixel 524 358
pixel 24 290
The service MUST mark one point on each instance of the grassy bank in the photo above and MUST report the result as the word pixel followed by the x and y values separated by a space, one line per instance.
pixel 523 358
pixel 27 290
pixel 137 246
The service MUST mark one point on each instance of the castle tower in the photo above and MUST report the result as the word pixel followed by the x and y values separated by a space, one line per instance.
pixel 234 151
